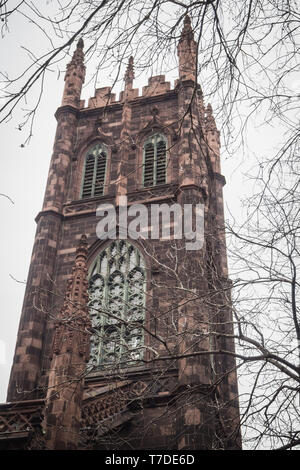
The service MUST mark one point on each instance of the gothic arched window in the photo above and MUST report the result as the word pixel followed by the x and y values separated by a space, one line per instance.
pixel 94 171
pixel 155 149
pixel 117 306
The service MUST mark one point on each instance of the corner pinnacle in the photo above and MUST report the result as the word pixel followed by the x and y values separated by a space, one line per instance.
pixel 129 74
pixel 187 31
pixel 80 44
pixel 82 247
pixel 210 120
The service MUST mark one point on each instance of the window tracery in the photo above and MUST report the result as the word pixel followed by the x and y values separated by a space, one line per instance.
pixel 117 305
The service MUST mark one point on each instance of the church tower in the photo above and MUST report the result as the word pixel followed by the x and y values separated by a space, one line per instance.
pixel 125 341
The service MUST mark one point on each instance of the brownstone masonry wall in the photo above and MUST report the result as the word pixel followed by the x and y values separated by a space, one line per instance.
pixel 188 292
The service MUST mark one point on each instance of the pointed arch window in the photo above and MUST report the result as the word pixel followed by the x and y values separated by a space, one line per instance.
pixel 117 306
pixel 155 150
pixel 94 171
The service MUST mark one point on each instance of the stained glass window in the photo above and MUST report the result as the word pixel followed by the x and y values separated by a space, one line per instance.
pixel 117 306
pixel 94 171
pixel 155 160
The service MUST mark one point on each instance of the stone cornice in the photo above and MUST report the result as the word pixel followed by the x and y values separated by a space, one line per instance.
pixel 66 109
pixel 132 374
pixel 154 98
pixel 88 112
pixel 57 151
pixel 195 187
pixel 187 84
pixel 48 212
pixel 23 405
pixel 146 196
pixel 220 178
pixel 170 187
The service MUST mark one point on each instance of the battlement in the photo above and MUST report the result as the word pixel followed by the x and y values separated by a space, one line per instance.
pixel 157 85
pixel 103 97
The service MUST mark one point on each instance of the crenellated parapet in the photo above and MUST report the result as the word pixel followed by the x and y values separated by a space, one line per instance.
pixel 156 86
pixel 103 97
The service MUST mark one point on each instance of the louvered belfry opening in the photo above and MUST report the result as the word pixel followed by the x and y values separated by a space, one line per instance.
pixel 155 160
pixel 149 164
pixel 94 172
pixel 161 162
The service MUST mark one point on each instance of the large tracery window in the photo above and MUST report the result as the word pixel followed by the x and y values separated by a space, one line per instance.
pixel 117 306
pixel 155 149
pixel 94 171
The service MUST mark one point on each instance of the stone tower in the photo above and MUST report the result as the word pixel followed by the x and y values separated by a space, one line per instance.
pixel 143 359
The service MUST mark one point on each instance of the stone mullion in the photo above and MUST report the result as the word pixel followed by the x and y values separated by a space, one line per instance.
pixel 121 314
pixel 100 323
pixel 123 317
pixel 124 295
pixel 142 322
pixel 106 303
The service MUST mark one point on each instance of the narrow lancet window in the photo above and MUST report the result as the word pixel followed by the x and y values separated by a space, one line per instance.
pixel 155 149
pixel 117 306
pixel 94 172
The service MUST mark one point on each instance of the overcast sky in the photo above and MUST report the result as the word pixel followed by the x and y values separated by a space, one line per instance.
pixel 23 176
